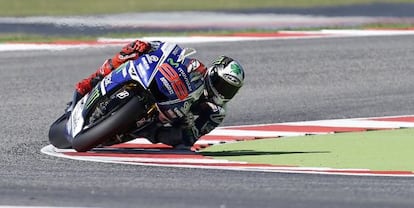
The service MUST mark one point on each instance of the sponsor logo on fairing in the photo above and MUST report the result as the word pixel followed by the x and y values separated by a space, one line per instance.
pixel 187 81
pixel 175 51
pixel 76 121
pixel 173 77
pixel 145 64
pixel 151 58
pixel 167 85
pixel 141 68
pixel 93 96
pixel 124 71
pixel 122 94
pixel 107 80
pixel 173 63
pixel 132 72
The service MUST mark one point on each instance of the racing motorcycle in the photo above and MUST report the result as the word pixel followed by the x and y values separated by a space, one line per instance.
pixel 151 89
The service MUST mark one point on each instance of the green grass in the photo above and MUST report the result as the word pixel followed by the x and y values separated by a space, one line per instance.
pixel 376 150
pixel 85 7
pixel 20 37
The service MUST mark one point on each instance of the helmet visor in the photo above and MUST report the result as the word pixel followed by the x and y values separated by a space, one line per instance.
pixel 224 89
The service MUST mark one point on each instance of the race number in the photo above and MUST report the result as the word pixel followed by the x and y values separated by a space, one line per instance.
pixel 172 76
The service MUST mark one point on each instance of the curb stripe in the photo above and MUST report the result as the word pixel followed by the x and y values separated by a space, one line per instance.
pixel 142 152
pixel 396 119
pixel 304 129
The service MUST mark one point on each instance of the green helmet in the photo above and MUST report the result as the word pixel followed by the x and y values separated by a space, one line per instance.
pixel 224 79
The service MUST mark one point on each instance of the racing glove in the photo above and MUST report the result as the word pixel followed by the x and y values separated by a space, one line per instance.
pixel 130 51
pixel 210 116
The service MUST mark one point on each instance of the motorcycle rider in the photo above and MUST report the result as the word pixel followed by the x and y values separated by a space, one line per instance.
pixel 222 81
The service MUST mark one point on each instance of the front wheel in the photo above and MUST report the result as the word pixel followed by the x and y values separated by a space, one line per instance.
pixel 57 133
pixel 118 122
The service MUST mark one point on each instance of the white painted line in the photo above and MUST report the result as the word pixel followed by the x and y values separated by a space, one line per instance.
pixel 184 39
pixel 304 122
pixel 10 206
pixel 53 47
pixel 368 32
pixel 104 42
pixel 253 133
pixel 354 123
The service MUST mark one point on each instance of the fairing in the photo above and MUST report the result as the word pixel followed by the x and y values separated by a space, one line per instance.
pixel 161 72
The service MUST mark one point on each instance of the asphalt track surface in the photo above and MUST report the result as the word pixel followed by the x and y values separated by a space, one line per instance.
pixel 287 80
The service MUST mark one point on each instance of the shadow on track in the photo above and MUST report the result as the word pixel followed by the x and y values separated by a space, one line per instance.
pixel 251 152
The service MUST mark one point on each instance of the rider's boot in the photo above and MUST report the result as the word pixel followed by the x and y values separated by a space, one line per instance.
pixel 86 85
pixel 130 51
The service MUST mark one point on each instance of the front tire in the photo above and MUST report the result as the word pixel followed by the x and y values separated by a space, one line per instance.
pixel 117 123
pixel 57 135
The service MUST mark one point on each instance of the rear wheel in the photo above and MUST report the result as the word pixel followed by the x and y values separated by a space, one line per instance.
pixel 118 122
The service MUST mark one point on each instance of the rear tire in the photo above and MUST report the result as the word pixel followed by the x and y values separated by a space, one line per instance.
pixel 117 123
